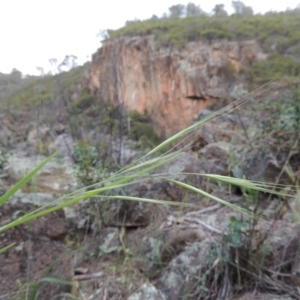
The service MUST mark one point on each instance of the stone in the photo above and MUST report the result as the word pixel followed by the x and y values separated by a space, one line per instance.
pixel 260 167
pixel 104 243
pixel 56 177
pixel 215 157
pixel 161 246
pixel 147 291
pixel 39 134
pixel 63 142
pixel 59 128
pixel 180 276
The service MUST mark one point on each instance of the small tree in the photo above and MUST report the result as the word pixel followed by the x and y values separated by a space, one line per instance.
pixel 130 22
pixel 219 10
pixel 53 63
pixel 176 11
pixel 164 16
pixel 69 62
pixel 193 10
pixel 103 34
pixel 241 9
pixel 16 75
pixel 40 70
pixel 154 18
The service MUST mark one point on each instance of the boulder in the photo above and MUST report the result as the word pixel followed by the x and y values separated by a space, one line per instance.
pixel 183 272
pixel 39 136
pixel 63 142
pixel 159 247
pixel 56 177
pixel 147 291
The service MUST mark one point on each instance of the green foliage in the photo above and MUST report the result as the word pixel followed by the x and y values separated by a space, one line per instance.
pixel 41 148
pixel 277 28
pixel 93 163
pixel 73 76
pixel 220 11
pixel 283 123
pixel 127 251
pixel 234 235
pixel 176 11
pixel 193 10
pixel 87 155
pixel 106 247
pixel 135 116
pixel 275 67
pixel 36 91
pixel 277 33
pixel 141 130
pixel 241 9
pixel 273 140
pixel 12 83
pixel 86 99
pixel 290 114
pixel 34 94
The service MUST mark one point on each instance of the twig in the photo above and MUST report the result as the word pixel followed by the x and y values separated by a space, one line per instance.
pixel 215 230
pixel 198 212
pixel 92 297
pixel 88 276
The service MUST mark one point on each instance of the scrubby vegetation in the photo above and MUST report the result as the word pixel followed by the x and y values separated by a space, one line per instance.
pixel 274 68
pixel 93 163
pixel 9 83
pixel 141 130
pixel 231 259
pixel 240 256
pixel 36 91
pixel 277 32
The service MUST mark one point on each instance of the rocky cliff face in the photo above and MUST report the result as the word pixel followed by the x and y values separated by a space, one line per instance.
pixel 170 86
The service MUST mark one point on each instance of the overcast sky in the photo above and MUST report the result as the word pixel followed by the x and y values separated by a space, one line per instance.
pixel 33 31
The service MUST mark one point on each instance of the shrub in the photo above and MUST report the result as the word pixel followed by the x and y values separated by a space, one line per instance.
pixel 86 99
pixel 276 33
pixel 141 130
pixel 276 67
pixel 93 163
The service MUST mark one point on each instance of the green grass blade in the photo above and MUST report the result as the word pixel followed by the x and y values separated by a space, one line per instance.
pixel 217 199
pixel 40 213
pixel 258 186
pixel 56 280
pixel 6 248
pixel 153 201
pixel 69 296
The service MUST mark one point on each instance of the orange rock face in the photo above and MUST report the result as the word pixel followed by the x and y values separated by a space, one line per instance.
pixel 169 85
